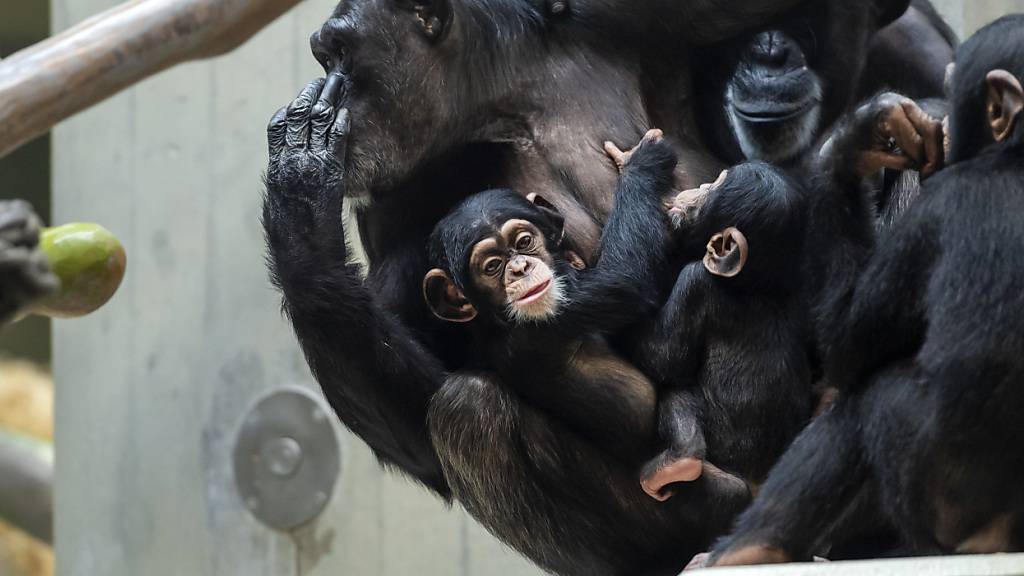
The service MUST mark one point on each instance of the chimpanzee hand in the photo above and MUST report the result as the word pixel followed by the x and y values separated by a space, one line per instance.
pixel 651 153
pixel 24 270
pixel 891 131
pixel 686 207
pixel 305 176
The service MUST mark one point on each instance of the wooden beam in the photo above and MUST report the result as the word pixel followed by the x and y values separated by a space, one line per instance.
pixel 58 77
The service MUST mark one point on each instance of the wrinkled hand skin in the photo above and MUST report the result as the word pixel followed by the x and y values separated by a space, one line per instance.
pixel 25 275
pixel 892 131
pixel 305 175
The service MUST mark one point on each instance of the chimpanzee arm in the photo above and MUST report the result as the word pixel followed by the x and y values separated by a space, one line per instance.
pixel 885 320
pixel 622 287
pixel 795 509
pixel 841 222
pixel 669 349
pixel 374 373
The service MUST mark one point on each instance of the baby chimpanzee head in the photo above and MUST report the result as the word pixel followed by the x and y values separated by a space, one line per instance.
pixel 985 89
pixel 500 255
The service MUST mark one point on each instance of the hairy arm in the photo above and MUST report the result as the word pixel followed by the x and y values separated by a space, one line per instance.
pixel 376 375
pixel 669 349
pixel 623 285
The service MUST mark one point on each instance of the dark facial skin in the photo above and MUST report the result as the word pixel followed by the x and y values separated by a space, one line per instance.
pixel 920 433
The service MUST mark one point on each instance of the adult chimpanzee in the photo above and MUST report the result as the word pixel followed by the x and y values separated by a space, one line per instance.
pixel 928 354
pixel 24 270
pixel 773 93
pixel 447 98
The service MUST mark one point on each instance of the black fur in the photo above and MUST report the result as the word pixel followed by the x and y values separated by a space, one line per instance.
pixel 739 343
pixel 928 357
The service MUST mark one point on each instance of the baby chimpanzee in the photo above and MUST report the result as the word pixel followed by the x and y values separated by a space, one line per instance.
pixel 927 431
pixel 732 338
pixel 540 318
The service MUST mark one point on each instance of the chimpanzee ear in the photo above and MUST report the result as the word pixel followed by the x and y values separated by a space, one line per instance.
pixel 445 299
pixel 890 10
pixel 434 16
pixel 727 253
pixel 551 212
pixel 1005 102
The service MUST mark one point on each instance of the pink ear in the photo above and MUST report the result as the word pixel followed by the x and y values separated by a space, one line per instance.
pixel 727 253
pixel 1005 102
pixel 445 299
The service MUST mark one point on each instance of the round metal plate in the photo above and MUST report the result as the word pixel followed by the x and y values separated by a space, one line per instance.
pixel 286 458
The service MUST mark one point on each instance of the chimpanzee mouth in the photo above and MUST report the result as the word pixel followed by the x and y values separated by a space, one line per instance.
pixel 534 294
pixel 760 114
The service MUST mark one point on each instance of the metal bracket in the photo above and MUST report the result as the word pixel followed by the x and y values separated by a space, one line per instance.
pixel 286 458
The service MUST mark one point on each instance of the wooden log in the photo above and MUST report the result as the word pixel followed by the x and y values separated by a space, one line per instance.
pixel 58 77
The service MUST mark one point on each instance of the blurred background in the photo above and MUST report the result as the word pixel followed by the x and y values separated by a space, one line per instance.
pixel 154 389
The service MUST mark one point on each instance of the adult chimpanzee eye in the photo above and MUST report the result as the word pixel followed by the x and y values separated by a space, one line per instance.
pixel 492 266
pixel 525 241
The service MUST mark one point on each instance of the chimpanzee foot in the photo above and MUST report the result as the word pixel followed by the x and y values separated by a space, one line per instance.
pixel 699 561
pixel 621 158
pixel 751 555
pixel 665 470
pixel 686 207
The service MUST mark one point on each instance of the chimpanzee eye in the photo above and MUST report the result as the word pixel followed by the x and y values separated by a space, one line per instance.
pixel 492 266
pixel 525 241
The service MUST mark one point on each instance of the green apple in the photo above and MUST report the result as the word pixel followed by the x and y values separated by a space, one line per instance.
pixel 90 262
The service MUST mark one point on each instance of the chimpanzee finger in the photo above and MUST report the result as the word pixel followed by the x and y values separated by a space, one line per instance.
pixel 873 161
pixel 930 130
pixel 323 115
pixel 321 123
pixel 298 114
pixel 616 154
pixel 276 132
pixel 900 128
pixel 338 139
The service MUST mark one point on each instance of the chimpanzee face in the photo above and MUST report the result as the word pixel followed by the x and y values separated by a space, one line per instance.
pixel 786 83
pixel 515 271
pixel 395 57
pixel 774 99
pixel 510 275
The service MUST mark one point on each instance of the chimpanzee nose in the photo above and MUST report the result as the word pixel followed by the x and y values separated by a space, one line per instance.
pixel 328 46
pixel 777 50
pixel 519 267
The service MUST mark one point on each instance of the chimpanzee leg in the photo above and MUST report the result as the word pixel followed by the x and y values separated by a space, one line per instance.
pixel 810 487
pixel 947 477
pixel 679 424
pixel 556 498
